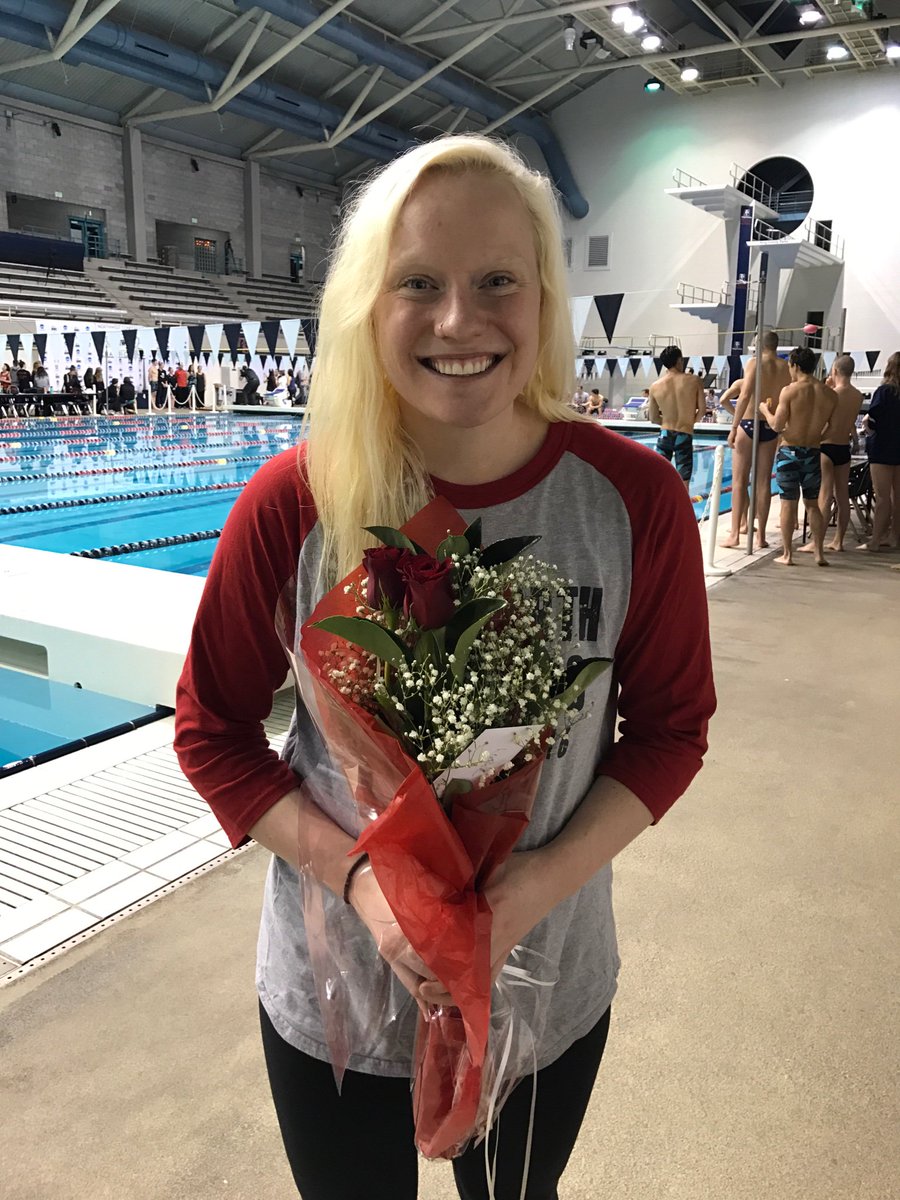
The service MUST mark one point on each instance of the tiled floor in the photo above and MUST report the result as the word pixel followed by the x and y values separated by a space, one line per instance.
pixel 88 835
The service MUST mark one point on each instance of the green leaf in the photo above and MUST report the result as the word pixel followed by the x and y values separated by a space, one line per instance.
pixel 374 638
pixel 393 537
pixel 473 534
pixel 452 545
pixel 590 670
pixel 427 648
pixel 467 623
pixel 502 552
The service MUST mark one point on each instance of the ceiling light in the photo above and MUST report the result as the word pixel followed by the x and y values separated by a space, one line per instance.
pixel 654 85
pixel 836 52
pixel 621 14
pixel 811 15
pixel 892 50
pixel 689 74
pixel 651 42
pixel 634 23
pixel 569 33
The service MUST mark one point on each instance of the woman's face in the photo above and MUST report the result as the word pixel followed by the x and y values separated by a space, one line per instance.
pixel 457 323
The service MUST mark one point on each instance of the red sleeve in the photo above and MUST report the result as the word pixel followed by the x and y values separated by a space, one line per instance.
pixel 235 662
pixel 663 662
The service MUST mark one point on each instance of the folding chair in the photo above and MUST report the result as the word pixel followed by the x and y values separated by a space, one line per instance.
pixel 862 497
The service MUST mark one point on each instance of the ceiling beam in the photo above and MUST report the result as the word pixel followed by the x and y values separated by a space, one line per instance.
pixel 543 14
pixel 230 29
pixel 231 86
pixel 70 35
pixel 344 131
pixel 642 60
pixel 736 41
pixel 429 17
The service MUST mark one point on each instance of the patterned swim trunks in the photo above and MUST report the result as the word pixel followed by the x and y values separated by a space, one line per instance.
pixel 680 446
pixel 798 468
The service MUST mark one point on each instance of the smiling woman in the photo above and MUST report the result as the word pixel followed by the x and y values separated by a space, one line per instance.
pixel 443 374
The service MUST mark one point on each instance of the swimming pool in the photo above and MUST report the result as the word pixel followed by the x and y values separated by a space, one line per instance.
pixel 155 492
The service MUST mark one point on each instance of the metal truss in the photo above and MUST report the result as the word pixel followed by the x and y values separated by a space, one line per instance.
pixel 70 35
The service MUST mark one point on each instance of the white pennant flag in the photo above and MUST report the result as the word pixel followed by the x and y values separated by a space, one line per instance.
pixel 290 331
pixel 745 358
pixel 581 307
pixel 646 366
pixel 2 347
pixel 146 341
pixel 696 362
pixel 214 337
pixel 27 348
pixel 828 358
pixel 622 366
pixel 179 345
pixel 251 335
pixel 720 362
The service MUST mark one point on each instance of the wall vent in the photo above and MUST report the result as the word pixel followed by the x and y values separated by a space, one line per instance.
pixel 598 252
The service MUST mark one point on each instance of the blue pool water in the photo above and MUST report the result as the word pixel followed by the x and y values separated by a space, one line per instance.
pixel 41 716
pixel 143 479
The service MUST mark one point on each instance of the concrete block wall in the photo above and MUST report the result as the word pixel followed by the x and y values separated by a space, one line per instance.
pixel 289 221
pixel 84 163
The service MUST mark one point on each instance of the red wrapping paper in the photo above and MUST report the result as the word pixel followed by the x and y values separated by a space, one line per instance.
pixel 432 866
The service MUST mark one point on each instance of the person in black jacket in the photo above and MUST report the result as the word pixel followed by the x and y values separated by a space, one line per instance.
pixel 126 395
pixel 249 392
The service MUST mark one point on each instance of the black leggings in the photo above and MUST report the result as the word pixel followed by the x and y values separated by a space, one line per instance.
pixel 359 1144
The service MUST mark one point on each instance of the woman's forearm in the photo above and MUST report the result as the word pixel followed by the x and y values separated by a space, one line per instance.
pixel 294 820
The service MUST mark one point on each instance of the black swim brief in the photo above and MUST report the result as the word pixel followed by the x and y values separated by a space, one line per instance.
pixel 766 433
pixel 798 468
pixel 680 446
pixel 838 452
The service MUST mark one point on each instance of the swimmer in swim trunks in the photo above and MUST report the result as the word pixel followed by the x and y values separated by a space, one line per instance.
pixel 805 408
pixel 775 377
pixel 836 448
pixel 677 404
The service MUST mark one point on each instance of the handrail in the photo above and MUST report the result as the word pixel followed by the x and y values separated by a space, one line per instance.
pixel 751 185
pixel 683 179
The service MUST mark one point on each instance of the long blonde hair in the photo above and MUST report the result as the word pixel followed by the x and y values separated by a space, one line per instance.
pixel 362 467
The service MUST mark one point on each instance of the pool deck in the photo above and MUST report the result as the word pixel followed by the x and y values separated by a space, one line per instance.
pixel 759 932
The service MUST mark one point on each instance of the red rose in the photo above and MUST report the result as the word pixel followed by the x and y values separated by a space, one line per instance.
pixel 382 565
pixel 429 590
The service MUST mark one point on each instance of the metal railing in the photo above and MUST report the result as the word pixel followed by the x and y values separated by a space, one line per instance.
pixel 754 187
pixel 684 180
pixel 817 233
pixel 790 202
pixel 689 293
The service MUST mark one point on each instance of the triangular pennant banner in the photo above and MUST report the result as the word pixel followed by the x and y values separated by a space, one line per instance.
pixel 608 307
pixel 99 339
pixel 69 339
pixel 745 358
pixel 13 341
pixel 162 340
pixel 310 326
pixel 195 333
pixel 290 331
pixel 179 344
pixel 232 333
pixel 146 341
pixel 270 333
pixel 828 359
pixel 251 335
pixel 40 342
pixel 207 356
pixel 214 337
pixel 872 358
pixel 719 363
pixel 581 306
pixel 587 367
pixel 611 365
pixel 129 336
pixel 735 367
pixel 635 363
pixel 27 347
pixel 646 365
pixel 708 360
pixel 623 365
pixel 657 362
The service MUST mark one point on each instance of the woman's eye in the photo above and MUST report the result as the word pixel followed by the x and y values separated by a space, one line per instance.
pixel 500 280
pixel 415 283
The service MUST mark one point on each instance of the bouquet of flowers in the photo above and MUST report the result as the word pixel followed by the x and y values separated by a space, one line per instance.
pixel 436 677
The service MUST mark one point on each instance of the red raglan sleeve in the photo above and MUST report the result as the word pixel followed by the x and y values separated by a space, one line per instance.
pixel 235 662
pixel 663 662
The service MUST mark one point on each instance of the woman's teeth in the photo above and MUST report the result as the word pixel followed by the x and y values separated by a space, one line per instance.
pixel 456 366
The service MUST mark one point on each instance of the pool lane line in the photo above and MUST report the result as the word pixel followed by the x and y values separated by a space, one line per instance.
pixel 107 454
pixel 51 505
pixel 176 539
pixel 166 466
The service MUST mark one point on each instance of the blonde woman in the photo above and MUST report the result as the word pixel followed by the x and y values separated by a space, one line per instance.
pixel 445 347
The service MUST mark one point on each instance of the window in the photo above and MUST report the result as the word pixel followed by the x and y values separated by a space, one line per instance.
pixel 598 252
pixel 567 252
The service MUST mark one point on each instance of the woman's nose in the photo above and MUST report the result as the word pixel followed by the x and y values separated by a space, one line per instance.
pixel 459 315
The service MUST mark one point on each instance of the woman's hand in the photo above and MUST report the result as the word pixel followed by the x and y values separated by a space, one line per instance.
pixel 372 908
pixel 518 904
